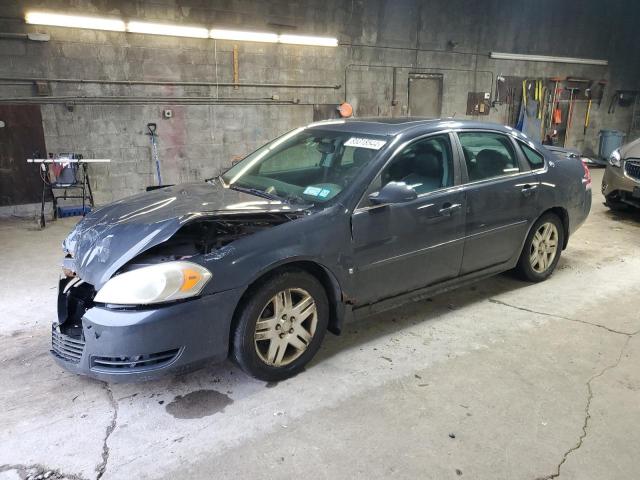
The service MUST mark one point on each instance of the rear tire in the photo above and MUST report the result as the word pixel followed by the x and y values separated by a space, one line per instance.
pixel 542 248
pixel 280 325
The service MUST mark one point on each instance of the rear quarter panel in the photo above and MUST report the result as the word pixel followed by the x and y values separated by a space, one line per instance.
pixel 563 185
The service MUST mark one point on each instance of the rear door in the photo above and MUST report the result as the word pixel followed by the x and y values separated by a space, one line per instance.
pixel 402 247
pixel 501 197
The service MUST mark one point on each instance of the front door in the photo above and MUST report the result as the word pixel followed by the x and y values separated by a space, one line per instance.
pixel 501 194
pixel 401 247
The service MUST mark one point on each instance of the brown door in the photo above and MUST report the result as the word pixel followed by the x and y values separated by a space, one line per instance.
pixel 425 95
pixel 21 137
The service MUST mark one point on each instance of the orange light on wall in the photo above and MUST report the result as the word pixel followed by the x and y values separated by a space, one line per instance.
pixel 345 109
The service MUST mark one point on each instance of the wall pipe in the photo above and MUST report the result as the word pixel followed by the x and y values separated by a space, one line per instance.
pixel 166 82
pixel 138 100
pixel 34 36
pixel 412 49
pixel 394 99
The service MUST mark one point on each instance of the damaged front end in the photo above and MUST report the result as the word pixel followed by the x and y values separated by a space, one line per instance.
pixel 106 341
pixel 74 299
pixel 203 238
pixel 185 226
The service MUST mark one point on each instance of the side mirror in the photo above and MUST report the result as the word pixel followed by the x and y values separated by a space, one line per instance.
pixel 393 192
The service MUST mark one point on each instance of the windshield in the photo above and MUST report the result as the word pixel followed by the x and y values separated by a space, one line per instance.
pixel 305 165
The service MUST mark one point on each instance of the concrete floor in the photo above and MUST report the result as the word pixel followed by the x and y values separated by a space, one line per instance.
pixel 502 380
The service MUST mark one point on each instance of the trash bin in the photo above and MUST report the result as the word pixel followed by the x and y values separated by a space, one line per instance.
pixel 609 141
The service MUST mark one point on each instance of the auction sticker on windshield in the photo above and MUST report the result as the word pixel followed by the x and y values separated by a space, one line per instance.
pixel 365 143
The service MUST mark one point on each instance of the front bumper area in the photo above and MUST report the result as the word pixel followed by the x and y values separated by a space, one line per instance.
pixel 125 345
pixel 618 185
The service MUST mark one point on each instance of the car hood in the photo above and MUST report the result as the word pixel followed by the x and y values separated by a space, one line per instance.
pixel 631 150
pixel 110 236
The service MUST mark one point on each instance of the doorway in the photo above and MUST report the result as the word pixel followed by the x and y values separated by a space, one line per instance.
pixel 21 137
pixel 425 95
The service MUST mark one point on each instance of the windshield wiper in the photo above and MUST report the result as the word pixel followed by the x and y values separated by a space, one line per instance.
pixel 256 192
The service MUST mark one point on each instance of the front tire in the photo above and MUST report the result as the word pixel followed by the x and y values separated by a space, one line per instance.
pixel 542 248
pixel 280 326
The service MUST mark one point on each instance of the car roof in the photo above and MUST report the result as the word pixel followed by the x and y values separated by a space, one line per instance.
pixel 393 126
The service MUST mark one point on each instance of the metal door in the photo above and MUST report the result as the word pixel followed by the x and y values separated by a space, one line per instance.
pixel 21 137
pixel 425 95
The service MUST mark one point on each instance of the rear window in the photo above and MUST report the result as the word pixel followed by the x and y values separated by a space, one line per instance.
pixel 535 159
pixel 488 155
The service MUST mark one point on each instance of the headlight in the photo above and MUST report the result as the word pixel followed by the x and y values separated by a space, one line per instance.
pixel 158 283
pixel 614 159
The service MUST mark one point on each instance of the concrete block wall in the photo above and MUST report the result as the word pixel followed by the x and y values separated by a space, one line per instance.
pixel 198 142
pixel 451 37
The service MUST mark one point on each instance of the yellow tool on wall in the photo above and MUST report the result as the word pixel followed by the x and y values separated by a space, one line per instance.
pixel 587 93
pixel 542 91
pixel 586 118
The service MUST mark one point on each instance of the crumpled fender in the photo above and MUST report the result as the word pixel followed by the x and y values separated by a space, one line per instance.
pixel 109 237
pixel 99 252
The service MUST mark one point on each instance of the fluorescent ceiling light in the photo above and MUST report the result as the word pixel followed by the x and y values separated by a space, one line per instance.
pixel 307 40
pixel 74 21
pixel 545 58
pixel 100 23
pixel 166 29
pixel 219 34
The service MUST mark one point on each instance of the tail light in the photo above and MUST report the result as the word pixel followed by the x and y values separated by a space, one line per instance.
pixel 586 178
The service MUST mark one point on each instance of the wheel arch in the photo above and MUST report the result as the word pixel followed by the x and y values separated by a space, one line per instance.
pixel 563 215
pixel 337 308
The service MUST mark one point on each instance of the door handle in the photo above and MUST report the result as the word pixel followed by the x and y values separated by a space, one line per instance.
pixel 528 189
pixel 448 209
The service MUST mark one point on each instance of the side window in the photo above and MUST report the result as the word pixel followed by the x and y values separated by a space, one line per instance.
pixel 488 155
pixel 535 159
pixel 425 165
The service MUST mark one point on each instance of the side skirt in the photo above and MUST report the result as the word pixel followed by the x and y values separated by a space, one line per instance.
pixel 361 311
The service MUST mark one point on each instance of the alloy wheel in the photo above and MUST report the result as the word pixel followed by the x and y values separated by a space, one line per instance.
pixel 544 247
pixel 286 327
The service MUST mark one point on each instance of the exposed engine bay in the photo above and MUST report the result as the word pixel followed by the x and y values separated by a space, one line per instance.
pixel 206 235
